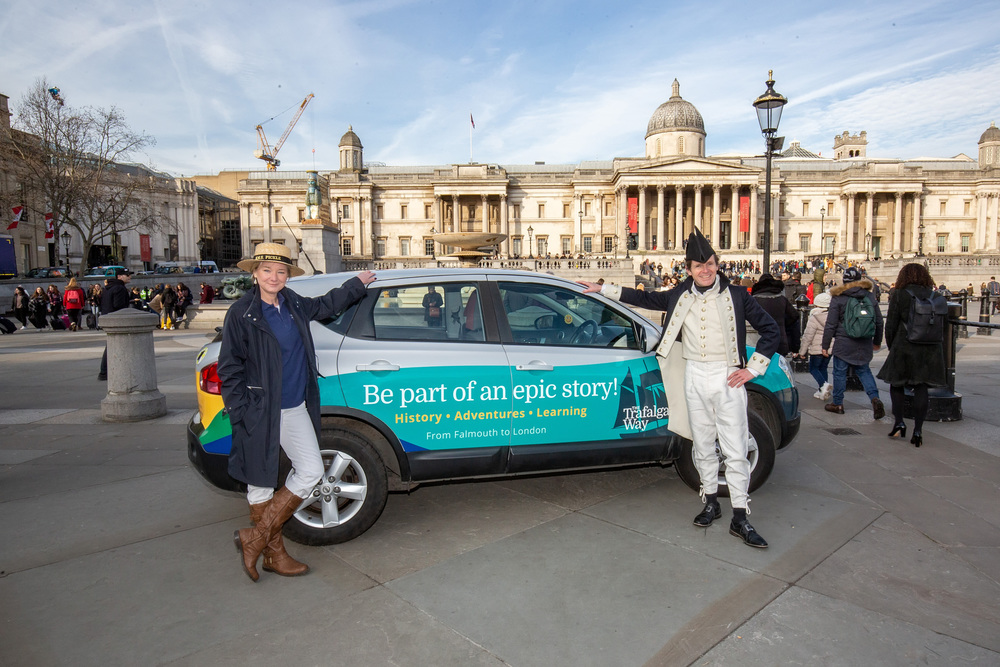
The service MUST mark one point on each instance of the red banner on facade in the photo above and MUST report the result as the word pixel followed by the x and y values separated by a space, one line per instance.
pixel 633 215
pixel 145 251
pixel 744 213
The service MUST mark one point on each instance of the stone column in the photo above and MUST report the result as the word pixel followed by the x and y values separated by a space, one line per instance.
pixel 916 222
pixel 504 225
pixel 992 241
pixel 132 392
pixel 716 216
pixel 456 215
pixel 754 211
pixel 980 237
pixel 438 219
pixel 643 245
pixel 679 218
pixel 486 216
pixel 661 219
pixel 734 216
pixel 621 218
pixel 848 244
pixel 359 227
pixel 897 226
pixel 698 219
pixel 598 204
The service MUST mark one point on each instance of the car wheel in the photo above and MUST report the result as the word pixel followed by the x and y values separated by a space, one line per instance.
pixel 760 453
pixel 349 498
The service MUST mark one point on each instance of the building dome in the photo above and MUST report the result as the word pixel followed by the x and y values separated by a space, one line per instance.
pixel 350 139
pixel 675 114
pixel 992 133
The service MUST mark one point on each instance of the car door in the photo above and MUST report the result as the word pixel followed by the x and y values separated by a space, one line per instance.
pixel 585 393
pixel 423 357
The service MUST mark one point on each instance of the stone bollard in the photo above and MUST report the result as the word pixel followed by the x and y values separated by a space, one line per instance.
pixel 132 393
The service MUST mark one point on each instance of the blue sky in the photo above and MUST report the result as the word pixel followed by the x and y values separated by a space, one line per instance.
pixel 559 82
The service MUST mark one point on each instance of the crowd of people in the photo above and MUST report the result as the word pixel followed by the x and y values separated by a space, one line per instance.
pixel 75 308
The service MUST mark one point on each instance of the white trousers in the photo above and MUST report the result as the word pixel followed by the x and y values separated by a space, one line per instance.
pixel 717 410
pixel 298 439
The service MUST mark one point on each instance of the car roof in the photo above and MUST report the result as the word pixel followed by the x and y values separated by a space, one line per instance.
pixel 449 274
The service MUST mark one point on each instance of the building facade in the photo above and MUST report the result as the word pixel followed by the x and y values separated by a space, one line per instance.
pixel 851 205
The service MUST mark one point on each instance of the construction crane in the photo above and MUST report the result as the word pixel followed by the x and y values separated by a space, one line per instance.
pixel 264 150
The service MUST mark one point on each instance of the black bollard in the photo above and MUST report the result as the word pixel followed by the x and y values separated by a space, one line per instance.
pixel 801 365
pixel 963 299
pixel 984 313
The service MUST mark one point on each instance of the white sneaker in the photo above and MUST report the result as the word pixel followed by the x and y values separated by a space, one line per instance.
pixel 24 326
pixel 827 390
pixel 818 394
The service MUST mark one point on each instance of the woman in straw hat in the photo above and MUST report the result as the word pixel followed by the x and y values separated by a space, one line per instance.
pixel 267 365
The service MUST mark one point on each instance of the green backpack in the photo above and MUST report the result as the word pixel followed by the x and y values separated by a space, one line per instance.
pixel 859 318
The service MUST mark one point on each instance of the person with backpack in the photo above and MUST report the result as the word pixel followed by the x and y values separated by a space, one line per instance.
pixel 914 332
pixel 74 299
pixel 855 320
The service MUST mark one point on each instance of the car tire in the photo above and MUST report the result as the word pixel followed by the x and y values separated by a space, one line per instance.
pixel 761 455
pixel 344 508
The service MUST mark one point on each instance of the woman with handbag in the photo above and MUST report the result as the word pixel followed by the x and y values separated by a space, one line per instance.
pixel 915 365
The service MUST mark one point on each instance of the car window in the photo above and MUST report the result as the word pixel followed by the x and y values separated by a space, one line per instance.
pixel 429 311
pixel 548 315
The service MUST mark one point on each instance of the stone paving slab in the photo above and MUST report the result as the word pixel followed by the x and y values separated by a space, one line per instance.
pixel 893 569
pixel 805 628
pixel 573 591
pixel 152 601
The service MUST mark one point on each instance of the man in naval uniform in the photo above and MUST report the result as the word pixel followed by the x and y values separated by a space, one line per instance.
pixel 704 342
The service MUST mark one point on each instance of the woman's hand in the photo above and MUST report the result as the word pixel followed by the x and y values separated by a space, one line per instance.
pixel 367 277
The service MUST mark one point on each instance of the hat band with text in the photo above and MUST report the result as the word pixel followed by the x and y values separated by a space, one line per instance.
pixel 272 258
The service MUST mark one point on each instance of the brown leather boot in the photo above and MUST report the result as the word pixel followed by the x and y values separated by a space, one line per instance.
pixel 250 542
pixel 276 559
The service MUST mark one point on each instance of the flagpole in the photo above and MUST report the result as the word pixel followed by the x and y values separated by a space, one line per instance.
pixel 472 125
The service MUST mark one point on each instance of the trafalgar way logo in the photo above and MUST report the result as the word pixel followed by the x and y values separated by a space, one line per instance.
pixel 638 418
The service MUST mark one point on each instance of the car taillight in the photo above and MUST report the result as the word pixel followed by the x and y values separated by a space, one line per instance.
pixel 210 382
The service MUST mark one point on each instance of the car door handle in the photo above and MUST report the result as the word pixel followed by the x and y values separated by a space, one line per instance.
pixel 535 366
pixel 378 365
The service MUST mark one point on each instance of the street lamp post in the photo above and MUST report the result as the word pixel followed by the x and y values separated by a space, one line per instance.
pixel 65 239
pixel 769 106
pixel 530 249
pixel 868 246
pixel 374 248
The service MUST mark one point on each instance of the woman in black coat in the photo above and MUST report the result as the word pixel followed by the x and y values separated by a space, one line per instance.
pixel 917 365
pixel 267 364
pixel 770 294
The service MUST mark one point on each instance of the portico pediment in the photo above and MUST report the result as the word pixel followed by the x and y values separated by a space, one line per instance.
pixel 693 167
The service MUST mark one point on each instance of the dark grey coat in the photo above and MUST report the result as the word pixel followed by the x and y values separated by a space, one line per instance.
pixel 855 351
pixel 250 370
pixel 910 363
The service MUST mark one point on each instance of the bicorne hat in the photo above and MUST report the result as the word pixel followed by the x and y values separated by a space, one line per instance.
pixel 698 247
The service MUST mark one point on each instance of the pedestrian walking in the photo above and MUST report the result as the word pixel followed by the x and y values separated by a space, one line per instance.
pixel 852 334
pixel 267 365
pixel 812 346
pixel 20 306
pixel 710 406
pixel 910 364
pixel 74 300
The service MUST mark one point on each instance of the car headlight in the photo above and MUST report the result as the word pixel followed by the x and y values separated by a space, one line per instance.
pixel 786 369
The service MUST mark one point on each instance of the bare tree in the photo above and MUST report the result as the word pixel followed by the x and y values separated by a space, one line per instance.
pixel 78 161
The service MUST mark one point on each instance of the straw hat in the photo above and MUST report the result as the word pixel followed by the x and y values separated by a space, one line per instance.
pixel 271 252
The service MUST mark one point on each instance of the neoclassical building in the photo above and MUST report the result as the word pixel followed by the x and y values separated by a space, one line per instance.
pixel 849 205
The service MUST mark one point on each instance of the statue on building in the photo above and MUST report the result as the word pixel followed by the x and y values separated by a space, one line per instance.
pixel 313 197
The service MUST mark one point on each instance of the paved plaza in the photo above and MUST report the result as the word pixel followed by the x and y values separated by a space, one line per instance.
pixel 115 552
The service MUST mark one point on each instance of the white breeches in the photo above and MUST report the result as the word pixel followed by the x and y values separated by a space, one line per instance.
pixel 298 439
pixel 717 410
